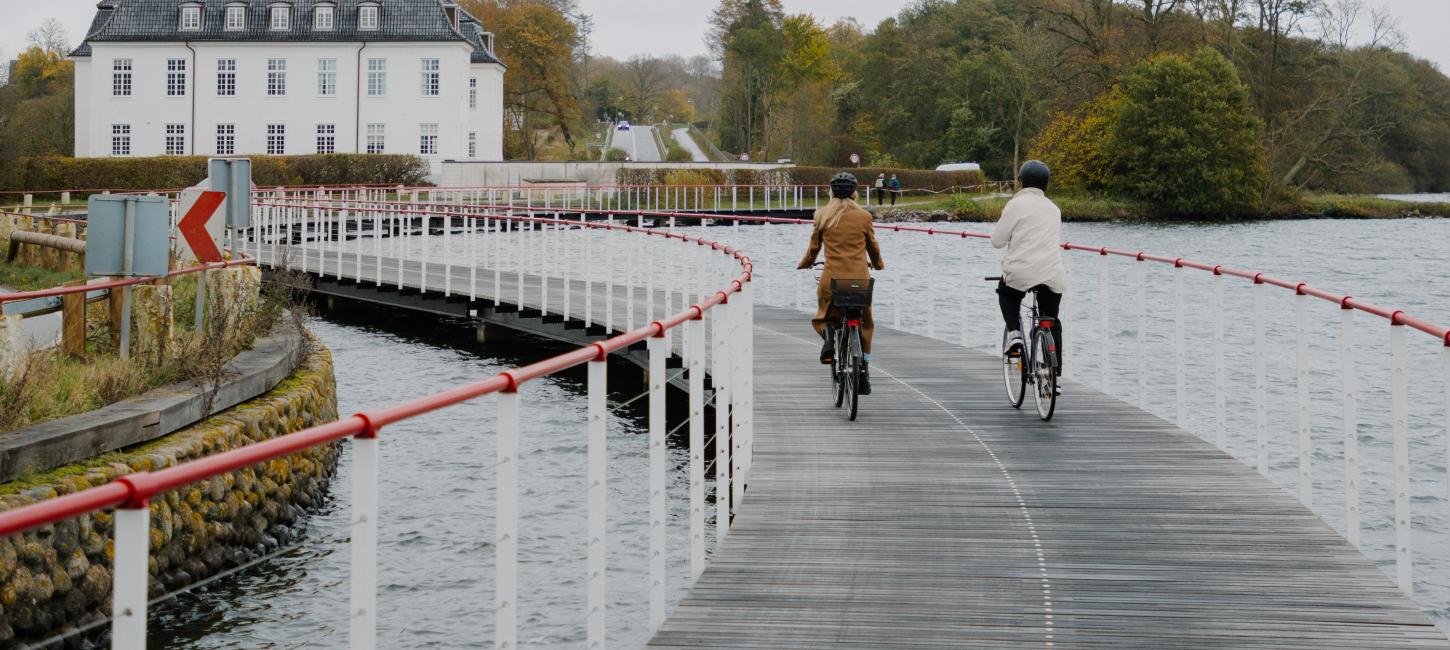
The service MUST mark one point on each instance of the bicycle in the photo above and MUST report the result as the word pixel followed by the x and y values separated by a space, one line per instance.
pixel 851 298
pixel 1035 366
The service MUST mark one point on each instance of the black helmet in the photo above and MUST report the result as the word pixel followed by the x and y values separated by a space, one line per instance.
pixel 1034 173
pixel 843 185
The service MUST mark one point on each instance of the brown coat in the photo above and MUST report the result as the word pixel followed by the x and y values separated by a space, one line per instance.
pixel 845 232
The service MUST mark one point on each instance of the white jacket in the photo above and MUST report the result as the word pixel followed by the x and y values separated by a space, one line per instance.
pixel 1031 231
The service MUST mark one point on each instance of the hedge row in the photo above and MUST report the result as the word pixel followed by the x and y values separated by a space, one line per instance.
pixel 914 179
pixel 54 173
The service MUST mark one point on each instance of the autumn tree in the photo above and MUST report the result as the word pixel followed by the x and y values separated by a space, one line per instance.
pixel 536 40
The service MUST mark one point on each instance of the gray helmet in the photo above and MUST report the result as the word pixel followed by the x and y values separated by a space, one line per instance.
pixel 1034 173
pixel 843 185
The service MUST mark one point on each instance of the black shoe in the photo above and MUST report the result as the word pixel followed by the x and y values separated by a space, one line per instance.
pixel 828 350
pixel 864 384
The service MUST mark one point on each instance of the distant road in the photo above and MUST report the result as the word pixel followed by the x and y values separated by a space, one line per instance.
pixel 682 136
pixel 639 143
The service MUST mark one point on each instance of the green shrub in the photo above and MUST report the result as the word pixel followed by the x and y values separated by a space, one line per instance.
pixel 616 155
pixel 51 173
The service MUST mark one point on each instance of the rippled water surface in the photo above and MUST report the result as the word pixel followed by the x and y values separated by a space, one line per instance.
pixel 436 558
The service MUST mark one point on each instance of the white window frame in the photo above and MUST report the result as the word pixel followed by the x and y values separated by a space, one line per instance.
pixel 427 139
pixel 377 138
pixel 236 18
pixel 279 18
pixel 368 17
pixel 321 12
pixel 276 139
pixel 276 77
pixel 121 77
pixel 327 77
pixel 176 77
pixel 377 77
pixel 226 77
pixel 175 143
pixel 472 144
pixel 432 71
pixel 120 139
pixel 472 93
pixel 191 19
pixel 226 139
pixel 326 138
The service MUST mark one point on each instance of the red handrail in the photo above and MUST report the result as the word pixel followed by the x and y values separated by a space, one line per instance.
pixel 244 260
pixel 136 489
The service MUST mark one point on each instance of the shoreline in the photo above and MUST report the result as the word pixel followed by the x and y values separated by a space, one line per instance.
pixel 1098 209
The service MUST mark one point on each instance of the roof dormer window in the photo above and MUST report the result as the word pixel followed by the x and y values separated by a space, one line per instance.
pixel 322 18
pixel 236 17
pixel 190 18
pixel 281 17
pixel 367 16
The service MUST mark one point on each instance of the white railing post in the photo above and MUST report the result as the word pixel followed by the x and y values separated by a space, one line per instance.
pixel 1399 400
pixel 737 397
pixel 1305 439
pixel 1445 353
pixel 1261 383
pixel 1105 323
pixel 930 287
pixel 596 598
pixel 1350 402
pixel 720 378
pixel 658 353
pixel 1220 406
pixel 129 590
pixel 1180 347
pixel 364 545
pixel 506 518
pixel 747 383
pixel 1142 273
pixel 695 359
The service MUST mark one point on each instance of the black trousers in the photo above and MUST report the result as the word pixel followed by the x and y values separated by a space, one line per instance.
pixel 1010 300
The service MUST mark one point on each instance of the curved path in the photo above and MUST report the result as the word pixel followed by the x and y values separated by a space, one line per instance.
pixel 683 137
pixel 944 519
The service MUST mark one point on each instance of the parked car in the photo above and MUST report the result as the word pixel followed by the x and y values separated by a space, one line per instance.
pixel 623 126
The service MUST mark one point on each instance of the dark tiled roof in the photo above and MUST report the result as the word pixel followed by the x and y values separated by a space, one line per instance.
pixel 160 20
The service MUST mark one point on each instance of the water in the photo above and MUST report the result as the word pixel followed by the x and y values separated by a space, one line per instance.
pixel 436 587
pixel 435 543
pixel 1418 198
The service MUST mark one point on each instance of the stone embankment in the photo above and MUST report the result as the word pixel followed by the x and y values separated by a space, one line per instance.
pixel 57 578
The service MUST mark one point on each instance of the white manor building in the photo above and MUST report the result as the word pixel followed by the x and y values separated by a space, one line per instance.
pixel 288 77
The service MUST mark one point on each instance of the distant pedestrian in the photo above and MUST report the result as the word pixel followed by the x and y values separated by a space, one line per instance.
pixel 895 186
pixel 881 189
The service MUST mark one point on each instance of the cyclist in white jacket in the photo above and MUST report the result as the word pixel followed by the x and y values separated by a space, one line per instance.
pixel 1031 231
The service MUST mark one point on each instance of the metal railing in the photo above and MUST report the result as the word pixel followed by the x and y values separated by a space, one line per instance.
pixel 716 276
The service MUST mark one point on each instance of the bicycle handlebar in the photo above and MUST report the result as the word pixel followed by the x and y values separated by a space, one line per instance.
pixel 994 279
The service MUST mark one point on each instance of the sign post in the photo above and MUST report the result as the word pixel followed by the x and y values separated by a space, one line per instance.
pixel 233 177
pixel 127 237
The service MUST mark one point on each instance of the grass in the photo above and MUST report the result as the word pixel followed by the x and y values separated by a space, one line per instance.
pixel 1341 206
pixel 25 278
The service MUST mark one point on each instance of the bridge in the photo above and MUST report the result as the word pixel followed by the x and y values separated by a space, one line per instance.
pixel 942 518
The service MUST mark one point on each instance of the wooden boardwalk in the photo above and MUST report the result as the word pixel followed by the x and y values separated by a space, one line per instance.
pixel 942 518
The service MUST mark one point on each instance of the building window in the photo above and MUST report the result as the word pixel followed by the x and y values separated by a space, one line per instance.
pixel 175 139
pixel 323 19
pixel 377 77
pixel 226 77
pixel 236 18
pixel 326 138
pixel 473 92
pixel 276 139
pixel 367 17
pixel 472 144
pixel 375 138
pixel 428 139
pixel 281 19
pixel 120 139
pixel 176 77
pixel 430 77
pixel 327 77
pixel 226 139
pixel 121 78
pixel 276 77
pixel 190 18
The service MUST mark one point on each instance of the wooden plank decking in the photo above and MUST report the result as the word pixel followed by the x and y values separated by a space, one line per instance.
pixel 942 518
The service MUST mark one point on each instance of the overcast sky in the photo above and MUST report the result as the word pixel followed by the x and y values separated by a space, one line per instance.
pixel 627 27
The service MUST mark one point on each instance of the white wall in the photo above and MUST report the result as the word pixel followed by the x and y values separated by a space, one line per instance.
pixel 497 174
pixel 148 110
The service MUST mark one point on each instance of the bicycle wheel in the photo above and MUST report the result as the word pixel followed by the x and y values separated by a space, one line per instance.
pixel 838 373
pixel 1014 374
pixel 853 372
pixel 1044 373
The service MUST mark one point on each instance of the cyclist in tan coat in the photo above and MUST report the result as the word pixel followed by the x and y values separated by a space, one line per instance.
pixel 843 229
